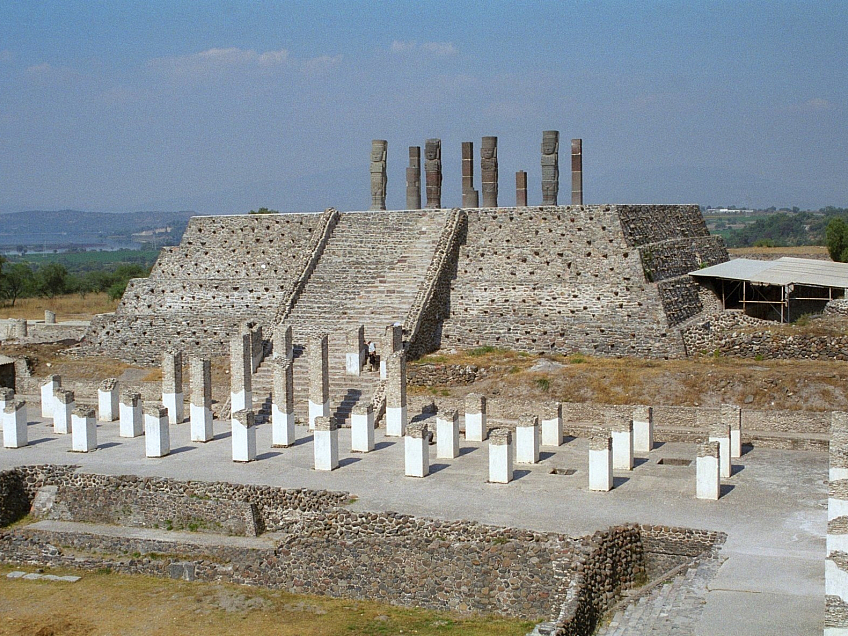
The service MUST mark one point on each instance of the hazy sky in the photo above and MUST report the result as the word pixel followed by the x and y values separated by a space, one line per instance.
pixel 223 106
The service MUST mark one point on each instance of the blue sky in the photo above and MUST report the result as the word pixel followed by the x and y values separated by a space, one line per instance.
pixel 222 107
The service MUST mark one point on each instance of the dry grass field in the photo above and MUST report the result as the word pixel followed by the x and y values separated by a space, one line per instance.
pixel 108 604
pixel 68 307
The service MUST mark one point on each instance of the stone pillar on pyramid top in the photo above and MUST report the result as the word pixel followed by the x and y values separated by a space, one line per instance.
pixel 355 354
pixel 835 565
pixel 282 404
pixel 413 179
pixel 392 342
pixel 433 172
pixel 379 150
pixel 172 385
pixel 14 416
pixel 720 432
pixel 84 430
pixel 417 450
pixel 600 461
pixel 108 394
pixel 576 172
pixel 708 471
pixel 643 429
pixel 447 434
pixel 319 379
pixel 326 443
pixel 621 428
pixel 732 416
pixel 521 189
pixel 64 406
pixel 157 432
pixel 200 376
pixel 243 436
pixel 282 342
pixel 489 172
pixel 362 428
pixel 241 375
pixel 527 440
pixel 48 390
pixel 470 196
pixel 132 414
pixel 476 426
pixel 396 413
pixel 500 456
pixel 550 167
pixel 552 424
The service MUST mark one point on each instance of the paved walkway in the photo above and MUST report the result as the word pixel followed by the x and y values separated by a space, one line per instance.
pixel 773 509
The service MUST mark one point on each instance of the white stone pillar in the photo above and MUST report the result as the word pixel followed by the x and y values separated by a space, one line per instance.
pixel 835 565
pixel 107 400
pixel 621 429
pixel 132 415
pixel 241 377
pixel 319 379
pixel 7 396
pixel 282 341
pixel 326 443
pixel 732 416
pixel 396 415
pixel 84 430
pixel 362 428
pixel 49 317
pixel 552 424
pixel 500 456
pixel 708 471
pixel 355 349
pixel 643 429
pixel 282 403
pixel 63 406
pixel 157 434
pixel 48 392
pixel 720 432
pixel 447 435
pixel 527 440
pixel 244 436
pixel 416 449
pixel 600 462
pixel 476 427
pixel 15 424
pixel 172 385
pixel 200 413
pixel 392 343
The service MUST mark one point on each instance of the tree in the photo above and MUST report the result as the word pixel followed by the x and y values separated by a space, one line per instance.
pixel 263 211
pixel 17 282
pixel 836 239
pixel 51 280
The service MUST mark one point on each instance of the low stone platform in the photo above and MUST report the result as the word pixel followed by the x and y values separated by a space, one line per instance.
pixel 773 508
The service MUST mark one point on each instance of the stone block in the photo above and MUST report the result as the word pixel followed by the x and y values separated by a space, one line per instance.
pixel 48 390
pixel 108 400
pixel 720 432
pixel 326 443
pixel 14 417
pixel 319 379
pixel 392 342
pixel 172 385
pixel 283 342
pixel 131 415
pixel 552 425
pixel 643 429
pixel 396 413
pixel 362 428
pixel 600 462
pixel 64 404
pixel 447 435
pixel 500 456
pixel 84 430
pixel 243 436
pixel 157 433
pixel 622 443
pixel 7 395
pixel 527 440
pixel 200 376
pixel 476 426
pixel 417 450
pixel 49 317
pixel 708 471
pixel 356 353
pixel 732 416
pixel 241 373
pixel 282 406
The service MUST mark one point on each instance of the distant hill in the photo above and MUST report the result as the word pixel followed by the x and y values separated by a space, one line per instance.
pixel 76 227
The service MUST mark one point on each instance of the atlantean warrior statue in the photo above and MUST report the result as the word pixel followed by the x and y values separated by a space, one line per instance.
pixel 413 179
pixel 378 174
pixel 489 171
pixel 433 168
pixel 550 167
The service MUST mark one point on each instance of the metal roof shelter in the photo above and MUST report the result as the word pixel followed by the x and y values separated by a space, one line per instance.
pixel 785 287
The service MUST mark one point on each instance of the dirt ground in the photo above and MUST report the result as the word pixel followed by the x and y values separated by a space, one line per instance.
pixel 108 604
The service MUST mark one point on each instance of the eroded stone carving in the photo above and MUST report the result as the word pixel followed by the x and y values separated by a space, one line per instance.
pixel 433 168
pixel 550 167
pixel 489 171
pixel 379 148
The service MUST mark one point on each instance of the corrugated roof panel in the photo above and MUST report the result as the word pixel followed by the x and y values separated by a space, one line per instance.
pixel 783 271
